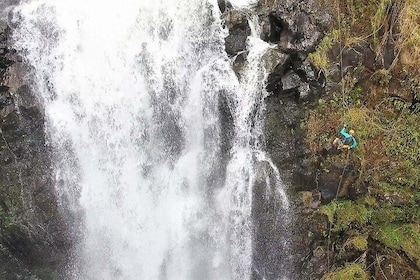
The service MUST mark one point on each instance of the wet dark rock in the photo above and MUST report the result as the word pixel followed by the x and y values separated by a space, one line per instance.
pixel 26 98
pixel 282 130
pixel 295 78
pixel 226 122
pixel 236 41
pixel 224 5
pixel 304 174
pixel 273 58
pixel 328 185
pixel 284 139
pixel 350 58
pixel 274 83
pixel 6 103
pixel 290 81
pixel 226 135
pixel 237 23
pixel 239 62
pixel 296 25
pixel 336 182
pixel 33 232
pixel 274 29
pixel 315 79
pixel 272 232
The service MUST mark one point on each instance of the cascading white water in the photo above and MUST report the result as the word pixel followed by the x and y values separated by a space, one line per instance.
pixel 130 90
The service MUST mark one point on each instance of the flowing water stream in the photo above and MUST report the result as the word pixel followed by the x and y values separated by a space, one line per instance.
pixel 131 91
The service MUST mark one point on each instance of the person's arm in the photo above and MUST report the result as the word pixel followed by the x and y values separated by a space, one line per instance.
pixel 354 143
pixel 344 133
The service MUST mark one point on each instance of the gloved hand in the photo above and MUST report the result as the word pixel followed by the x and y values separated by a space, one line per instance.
pixel 345 147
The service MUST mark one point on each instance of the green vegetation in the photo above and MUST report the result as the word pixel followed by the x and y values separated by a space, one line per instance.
pixel 345 214
pixel 408 43
pixel 9 220
pixel 359 243
pixel 404 237
pixel 349 272
pixel 381 102
pixel 319 58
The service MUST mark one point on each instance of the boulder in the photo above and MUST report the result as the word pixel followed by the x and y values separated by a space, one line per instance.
pixel 336 182
pixel 297 25
pixel 272 58
pixel 296 78
pixel 237 23
pixel 224 5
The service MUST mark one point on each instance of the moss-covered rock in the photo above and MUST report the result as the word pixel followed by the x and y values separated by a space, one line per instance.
pixel 405 237
pixel 349 272
pixel 359 243
pixel 345 214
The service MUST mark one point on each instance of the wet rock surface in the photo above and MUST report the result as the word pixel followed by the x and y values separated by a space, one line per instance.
pixel 299 24
pixel 331 199
pixel 294 27
pixel 239 30
pixel 33 240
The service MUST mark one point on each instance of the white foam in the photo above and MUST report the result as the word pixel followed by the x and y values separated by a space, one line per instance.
pixel 130 90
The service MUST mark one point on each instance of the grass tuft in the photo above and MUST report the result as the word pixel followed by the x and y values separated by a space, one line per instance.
pixel 351 271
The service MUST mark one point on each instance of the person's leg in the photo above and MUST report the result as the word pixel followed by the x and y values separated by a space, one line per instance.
pixel 338 143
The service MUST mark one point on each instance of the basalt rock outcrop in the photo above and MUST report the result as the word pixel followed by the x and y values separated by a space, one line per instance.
pixel 239 30
pixel 33 239
pixel 294 28
pixel 348 224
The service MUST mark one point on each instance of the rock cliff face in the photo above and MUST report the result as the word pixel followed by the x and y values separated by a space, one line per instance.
pixel 295 27
pixel 33 239
pixel 353 211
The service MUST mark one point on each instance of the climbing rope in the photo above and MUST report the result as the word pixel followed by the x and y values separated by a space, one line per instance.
pixel 343 99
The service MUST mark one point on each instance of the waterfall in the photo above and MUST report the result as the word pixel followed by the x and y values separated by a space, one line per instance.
pixel 131 92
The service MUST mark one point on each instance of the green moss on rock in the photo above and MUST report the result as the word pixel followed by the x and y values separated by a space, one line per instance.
pixel 348 272
pixel 404 237
pixel 359 243
pixel 344 213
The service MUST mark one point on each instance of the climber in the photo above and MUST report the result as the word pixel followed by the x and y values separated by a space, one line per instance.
pixel 347 142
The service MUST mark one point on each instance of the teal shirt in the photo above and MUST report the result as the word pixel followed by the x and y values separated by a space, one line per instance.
pixel 347 137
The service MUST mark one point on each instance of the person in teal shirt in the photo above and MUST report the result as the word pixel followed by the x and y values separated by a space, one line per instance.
pixel 347 142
